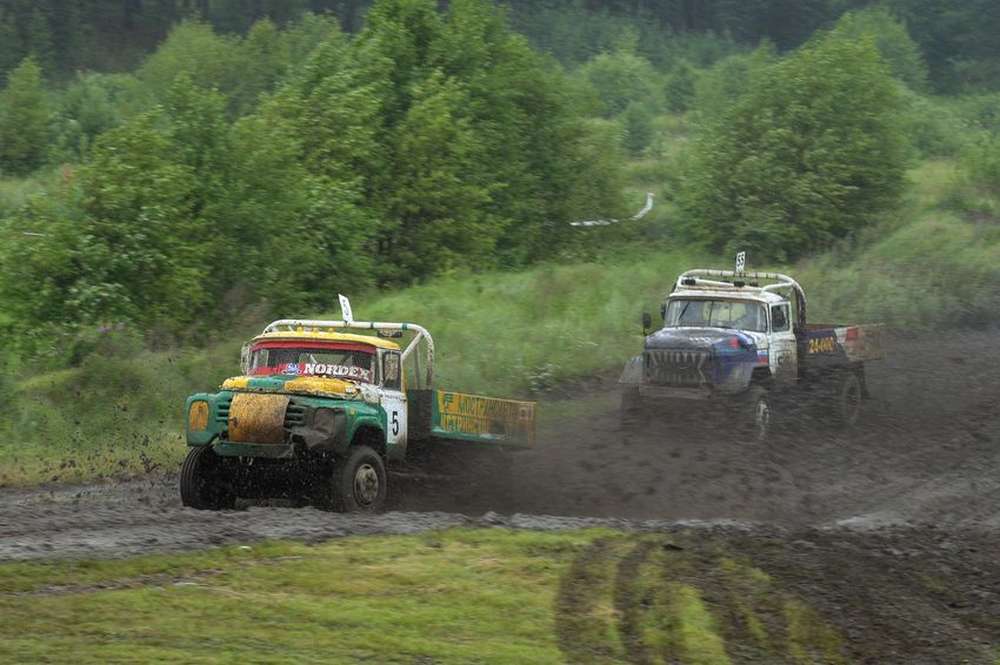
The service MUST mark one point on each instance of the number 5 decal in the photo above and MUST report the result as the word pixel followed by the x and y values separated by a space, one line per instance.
pixel 395 423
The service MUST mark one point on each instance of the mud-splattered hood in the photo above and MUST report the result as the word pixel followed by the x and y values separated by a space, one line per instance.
pixel 299 385
pixel 700 339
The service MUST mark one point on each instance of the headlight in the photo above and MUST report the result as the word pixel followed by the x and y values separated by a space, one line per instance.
pixel 198 417
pixel 325 420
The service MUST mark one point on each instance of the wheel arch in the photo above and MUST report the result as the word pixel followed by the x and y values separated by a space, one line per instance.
pixel 371 435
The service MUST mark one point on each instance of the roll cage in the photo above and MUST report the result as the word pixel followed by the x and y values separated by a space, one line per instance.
pixel 420 334
pixel 733 282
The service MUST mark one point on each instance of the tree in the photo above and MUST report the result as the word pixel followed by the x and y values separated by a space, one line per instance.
pixel 637 120
pixel 10 47
pixel 442 192
pixel 87 108
pixel 39 40
pixel 894 43
pixel 679 90
pixel 812 153
pixel 194 50
pixel 621 78
pixel 144 250
pixel 24 120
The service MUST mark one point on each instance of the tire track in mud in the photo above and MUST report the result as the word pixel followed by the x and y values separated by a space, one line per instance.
pixel 636 599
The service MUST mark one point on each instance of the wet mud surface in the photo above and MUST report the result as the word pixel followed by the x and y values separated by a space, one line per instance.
pixel 892 531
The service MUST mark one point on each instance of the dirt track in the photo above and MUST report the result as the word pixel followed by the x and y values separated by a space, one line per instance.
pixel 894 530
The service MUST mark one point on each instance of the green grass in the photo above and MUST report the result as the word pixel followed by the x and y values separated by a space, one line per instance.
pixel 931 264
pixel 460 596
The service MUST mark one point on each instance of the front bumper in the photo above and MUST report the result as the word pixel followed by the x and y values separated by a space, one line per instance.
pixel 269 450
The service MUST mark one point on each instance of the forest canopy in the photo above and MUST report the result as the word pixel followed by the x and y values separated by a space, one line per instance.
pixel 171 166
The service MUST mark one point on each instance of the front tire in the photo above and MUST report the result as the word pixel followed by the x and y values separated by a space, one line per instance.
pixel 204 484
pixel 759 413
pixel 360 483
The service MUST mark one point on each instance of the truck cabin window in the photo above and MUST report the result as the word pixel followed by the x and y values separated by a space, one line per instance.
pixel 390 370
pixel 354 362
pixel 779 318
pixel 705 313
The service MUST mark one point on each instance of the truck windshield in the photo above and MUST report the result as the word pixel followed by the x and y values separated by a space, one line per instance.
pixel 705 313
pixel 342 361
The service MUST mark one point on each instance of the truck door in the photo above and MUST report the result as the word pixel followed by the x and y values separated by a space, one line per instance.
pixel 783 356
pixel 393 400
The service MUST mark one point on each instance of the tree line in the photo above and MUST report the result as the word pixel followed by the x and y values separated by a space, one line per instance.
pixel 273 167
pixel 65 36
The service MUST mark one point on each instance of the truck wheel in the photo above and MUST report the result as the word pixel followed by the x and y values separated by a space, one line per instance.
pixel 759 414
pixel 850 396
pixel 360 483
pixel 204 485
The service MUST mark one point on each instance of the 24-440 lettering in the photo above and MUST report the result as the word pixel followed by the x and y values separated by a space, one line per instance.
pixel 822 345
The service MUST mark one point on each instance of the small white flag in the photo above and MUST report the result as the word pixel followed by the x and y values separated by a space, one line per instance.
pixel 741 262
pixel 345 308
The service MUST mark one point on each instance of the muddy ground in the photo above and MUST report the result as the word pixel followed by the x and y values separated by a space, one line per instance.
pixel 892 531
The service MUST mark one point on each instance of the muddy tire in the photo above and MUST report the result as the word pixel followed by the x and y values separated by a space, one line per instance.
pixel 359 483
pixel 204 484
pixel 758 415
pixel 849 397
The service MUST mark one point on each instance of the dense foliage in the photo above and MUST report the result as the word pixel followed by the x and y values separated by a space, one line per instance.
pixel 231 171
pixel 809 154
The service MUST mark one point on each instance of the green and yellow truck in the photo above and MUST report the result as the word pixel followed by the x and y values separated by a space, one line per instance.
pixel 323 409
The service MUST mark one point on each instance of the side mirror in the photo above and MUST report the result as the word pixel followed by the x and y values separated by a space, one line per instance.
pixel 647 321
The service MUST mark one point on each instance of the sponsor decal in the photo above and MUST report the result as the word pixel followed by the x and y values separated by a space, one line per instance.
pixel 472 414
pixel 337 371
pixel 762 357
pixel 292 369
pixel 822 345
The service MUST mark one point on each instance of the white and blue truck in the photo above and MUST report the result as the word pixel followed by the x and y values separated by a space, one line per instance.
pixel 741 341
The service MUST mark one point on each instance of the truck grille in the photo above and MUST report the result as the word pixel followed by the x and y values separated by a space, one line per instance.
pixel 678 368
pixel 295 415
pixel 222 411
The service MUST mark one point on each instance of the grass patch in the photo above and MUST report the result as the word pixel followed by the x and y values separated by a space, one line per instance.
pixel 459 596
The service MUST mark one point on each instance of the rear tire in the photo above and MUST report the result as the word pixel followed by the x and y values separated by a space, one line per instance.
pixel 849 399
pixel 204 484
pixel 359 483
